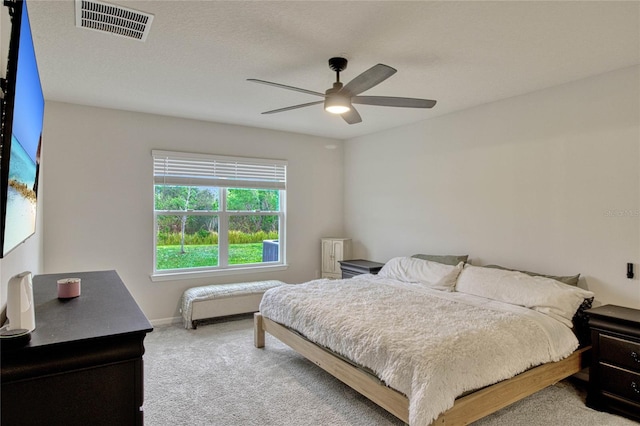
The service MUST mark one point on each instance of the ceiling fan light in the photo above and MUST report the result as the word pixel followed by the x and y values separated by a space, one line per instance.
pixel 337 109
pixel 337 104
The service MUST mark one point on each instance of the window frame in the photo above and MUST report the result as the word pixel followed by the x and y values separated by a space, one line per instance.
pixel 223 267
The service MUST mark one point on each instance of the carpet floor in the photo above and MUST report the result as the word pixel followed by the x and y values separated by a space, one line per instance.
pixel 215 376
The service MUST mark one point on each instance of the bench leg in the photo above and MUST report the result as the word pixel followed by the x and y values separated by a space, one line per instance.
pixel 258 331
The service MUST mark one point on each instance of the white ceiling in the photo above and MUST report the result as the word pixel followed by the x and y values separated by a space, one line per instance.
pixel 199 54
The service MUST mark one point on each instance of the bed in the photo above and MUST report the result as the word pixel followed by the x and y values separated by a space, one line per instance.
pixel 432 343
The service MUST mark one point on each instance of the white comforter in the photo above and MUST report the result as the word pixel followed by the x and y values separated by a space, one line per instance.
pixel 430 345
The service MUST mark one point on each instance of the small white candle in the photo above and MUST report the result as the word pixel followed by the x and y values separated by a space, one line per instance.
pixel 68 288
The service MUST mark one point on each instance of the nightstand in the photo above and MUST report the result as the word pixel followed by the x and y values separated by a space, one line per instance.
pixel 351 268
pixel 614 379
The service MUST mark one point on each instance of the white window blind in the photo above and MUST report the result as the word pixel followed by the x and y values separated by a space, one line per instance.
pixel 179 168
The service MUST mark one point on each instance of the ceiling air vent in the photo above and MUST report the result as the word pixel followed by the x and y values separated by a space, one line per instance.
pixel 113 19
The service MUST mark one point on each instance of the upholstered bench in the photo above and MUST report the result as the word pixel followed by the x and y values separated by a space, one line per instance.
pixel 217 300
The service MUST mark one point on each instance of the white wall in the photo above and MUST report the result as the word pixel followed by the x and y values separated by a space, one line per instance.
pixel 99 194
pixel 548 181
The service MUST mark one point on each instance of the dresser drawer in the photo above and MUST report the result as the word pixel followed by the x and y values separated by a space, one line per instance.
pixel 620 382
pixel 620 352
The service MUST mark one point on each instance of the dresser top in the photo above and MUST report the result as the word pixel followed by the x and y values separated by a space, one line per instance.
pixel 616 313
pixel 104 308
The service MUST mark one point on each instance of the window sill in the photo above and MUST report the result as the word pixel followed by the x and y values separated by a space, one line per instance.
pixel 177 276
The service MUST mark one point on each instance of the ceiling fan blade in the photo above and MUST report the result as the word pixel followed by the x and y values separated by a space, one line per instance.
pixel 352 116
pixel 293 107
pixel 371 77
pixel 283 86
pixel 391 101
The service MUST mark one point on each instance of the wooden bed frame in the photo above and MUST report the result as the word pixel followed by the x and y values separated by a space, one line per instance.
pixel 465 410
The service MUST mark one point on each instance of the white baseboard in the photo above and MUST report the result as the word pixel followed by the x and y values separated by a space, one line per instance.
pixel 166 321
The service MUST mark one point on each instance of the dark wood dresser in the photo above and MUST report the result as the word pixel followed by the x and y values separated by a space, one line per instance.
pixel 351 268
pixel 614 377
pixel 83 365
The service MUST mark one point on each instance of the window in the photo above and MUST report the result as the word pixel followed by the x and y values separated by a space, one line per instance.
pixel 215 213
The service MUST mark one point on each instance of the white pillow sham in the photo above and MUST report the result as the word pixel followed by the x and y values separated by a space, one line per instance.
pixel 434 275
pixel 553 298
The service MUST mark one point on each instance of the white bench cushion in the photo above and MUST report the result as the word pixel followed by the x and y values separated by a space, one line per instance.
pixel 206 301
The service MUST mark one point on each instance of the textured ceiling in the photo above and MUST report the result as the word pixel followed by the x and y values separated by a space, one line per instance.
pixel 199 54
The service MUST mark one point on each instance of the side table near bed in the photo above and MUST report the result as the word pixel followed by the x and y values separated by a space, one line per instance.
pixel 351 268
pixel 614 379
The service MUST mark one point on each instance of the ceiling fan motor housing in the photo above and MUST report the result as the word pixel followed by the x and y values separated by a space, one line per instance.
pixel 336 102
pixel 337 86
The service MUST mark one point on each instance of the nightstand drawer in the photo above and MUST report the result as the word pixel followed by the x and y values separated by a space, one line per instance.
pixel 620 382
pixel 349 274
pixel 620 352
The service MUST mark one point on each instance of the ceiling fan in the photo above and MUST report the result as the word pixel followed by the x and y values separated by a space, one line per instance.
pixel 340 99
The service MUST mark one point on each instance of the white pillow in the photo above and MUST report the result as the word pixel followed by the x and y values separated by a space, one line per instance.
pixel 545 295
pixel 412 270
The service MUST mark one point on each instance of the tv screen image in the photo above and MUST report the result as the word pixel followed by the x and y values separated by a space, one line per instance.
pixel 22 135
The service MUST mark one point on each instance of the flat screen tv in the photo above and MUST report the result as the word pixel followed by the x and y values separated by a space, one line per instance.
pixel 22 119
